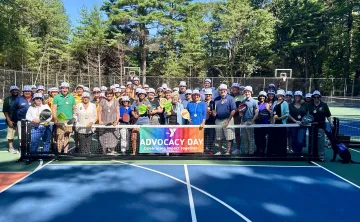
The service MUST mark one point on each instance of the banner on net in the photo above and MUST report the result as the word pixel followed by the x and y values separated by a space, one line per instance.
pixel 171 140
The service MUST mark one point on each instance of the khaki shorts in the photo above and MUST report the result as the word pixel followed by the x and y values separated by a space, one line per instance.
pixel 228 133
pixel 11 131
pixel 63 129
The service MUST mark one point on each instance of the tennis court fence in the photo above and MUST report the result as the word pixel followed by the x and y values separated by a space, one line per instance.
pixel 257 142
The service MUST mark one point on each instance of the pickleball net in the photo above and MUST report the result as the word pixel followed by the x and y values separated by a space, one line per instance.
pixel 260 141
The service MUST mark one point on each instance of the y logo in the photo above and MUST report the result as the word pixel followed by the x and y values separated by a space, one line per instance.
pixel 172 132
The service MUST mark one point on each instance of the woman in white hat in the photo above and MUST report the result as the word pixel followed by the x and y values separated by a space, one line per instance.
pixel 260 133
pixel 277 144
pixel 85 116
pixel 197 109
pixel 39 131
pixel 298 110
pixel 174 116
pixel 125 108
pixel 109 114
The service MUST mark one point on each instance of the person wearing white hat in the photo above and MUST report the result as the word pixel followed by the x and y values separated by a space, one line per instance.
pixel 308 98
pixel 113 88
pixel 117 85
pixel 85 116
pixel 164 86
pixel 40 89
pixel 109 114
pixel 20 106
pixel 277 143
pixel 207 84
pixel 39 132
pixel 155 110
pixel 78 92
pixel 117 93
pixel 160 93
pixel 209 133
pixel 188 98
pixel 182 89
pixel 238 97
pixel 64 103
pixel 260 133
pixel 168 93
pixel 103 89
pixel 125 108
pixel 289 97
pixel 298 110
pixel 146 87
pixel 140 118
pixel 122 87
pixel 33 89
pixel 249 116
pixel 197 109
pixel 53 91
pixel 321 112
pixel 136 81
pixel 11 126
pixel 224 111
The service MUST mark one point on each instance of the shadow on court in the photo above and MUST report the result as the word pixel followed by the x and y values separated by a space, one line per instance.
pixel 127 193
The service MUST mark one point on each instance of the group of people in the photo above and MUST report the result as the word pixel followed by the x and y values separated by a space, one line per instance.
pixel 223 106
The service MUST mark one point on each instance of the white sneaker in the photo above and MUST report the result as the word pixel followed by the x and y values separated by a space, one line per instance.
pixel 236 152
pixel 218 154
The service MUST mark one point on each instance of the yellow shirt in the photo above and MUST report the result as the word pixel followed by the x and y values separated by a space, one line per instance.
pixel 77 99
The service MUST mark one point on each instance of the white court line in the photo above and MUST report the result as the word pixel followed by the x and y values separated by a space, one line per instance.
pixel 196 188
pixel 191 199
pixel 181 164
pixel 336 175
pixel 21 179
pixel 350 126
pixel 10 172
pixel 72 148
pixel 354 150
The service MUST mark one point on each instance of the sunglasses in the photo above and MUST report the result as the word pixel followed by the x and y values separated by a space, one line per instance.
pixel 208 95
pixel 316 97
pixel 182 86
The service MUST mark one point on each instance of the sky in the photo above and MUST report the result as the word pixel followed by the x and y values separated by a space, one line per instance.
pixel 73 7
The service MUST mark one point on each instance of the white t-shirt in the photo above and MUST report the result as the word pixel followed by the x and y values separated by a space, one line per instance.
pixel 33 113
pixel 85 116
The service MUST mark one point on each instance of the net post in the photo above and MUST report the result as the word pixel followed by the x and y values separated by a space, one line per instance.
pixel 23 141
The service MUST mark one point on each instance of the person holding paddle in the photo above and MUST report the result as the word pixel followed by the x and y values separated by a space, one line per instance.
pixel 238 97
pixel 321 112
pixel 224 111
pixel 156 109
pixel 63 106
pixel 125 116
pixel 209 133
pixel 85 117
pixel 109 115
pixel 40 128
pixel 53 91
pixel 173 111
pixel 187 96
pixel 140 109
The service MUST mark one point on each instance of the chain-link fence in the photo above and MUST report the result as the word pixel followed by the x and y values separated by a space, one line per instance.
pixel 331 87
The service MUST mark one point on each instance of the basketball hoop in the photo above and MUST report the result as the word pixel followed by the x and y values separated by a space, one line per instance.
pixel 132 74
pixel 283 76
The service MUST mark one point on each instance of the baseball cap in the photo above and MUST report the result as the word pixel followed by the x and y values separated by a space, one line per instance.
pixel 64 85
pixel 188 91
pixel 85 94
pixel 248 88
pixel 222 86
pixel 38 95
pixel 13 88
pixel 280 92
pixel 182 83
pixel 208 92
pixel 96 89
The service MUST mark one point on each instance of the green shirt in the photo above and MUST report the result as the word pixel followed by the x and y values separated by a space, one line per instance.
pixel 64 105
pixel 7 104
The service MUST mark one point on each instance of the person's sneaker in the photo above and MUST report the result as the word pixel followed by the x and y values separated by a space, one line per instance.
pixel 218 154
pixel 13 151
pixel 236 152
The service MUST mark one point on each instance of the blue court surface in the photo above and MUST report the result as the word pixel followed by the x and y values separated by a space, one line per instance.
pixel 127 192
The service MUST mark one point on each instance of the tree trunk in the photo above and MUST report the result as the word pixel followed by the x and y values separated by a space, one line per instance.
pixel 306 68
pixel 142 46
pixel 99 66
pixel 350 21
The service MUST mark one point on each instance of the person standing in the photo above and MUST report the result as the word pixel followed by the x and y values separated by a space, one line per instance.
pixel 207 85
pixel 182 90
pixel 187 99
pixel 260 133
pixel 85 116
pixel 39 131
pixel 20 107
pixel 321 112
pixel 224 113
pixel 53 91
pixel 209 133
pixel 63 103
pixel 174 116
pixel 277 143
pixel 109 115
pixel 155 110
pixel 250 115
pixel 197 109
pixel 298 110
pixel 140 118
pixel 238 97
pixel 79 91
pixel 125 108
pixel 11 126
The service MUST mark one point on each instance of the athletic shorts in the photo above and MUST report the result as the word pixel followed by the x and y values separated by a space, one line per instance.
pixel 11 131
pixel 228 133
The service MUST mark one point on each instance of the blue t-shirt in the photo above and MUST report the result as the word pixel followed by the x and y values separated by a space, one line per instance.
pixel 197 112
pixel 250 110
pixel 224 106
